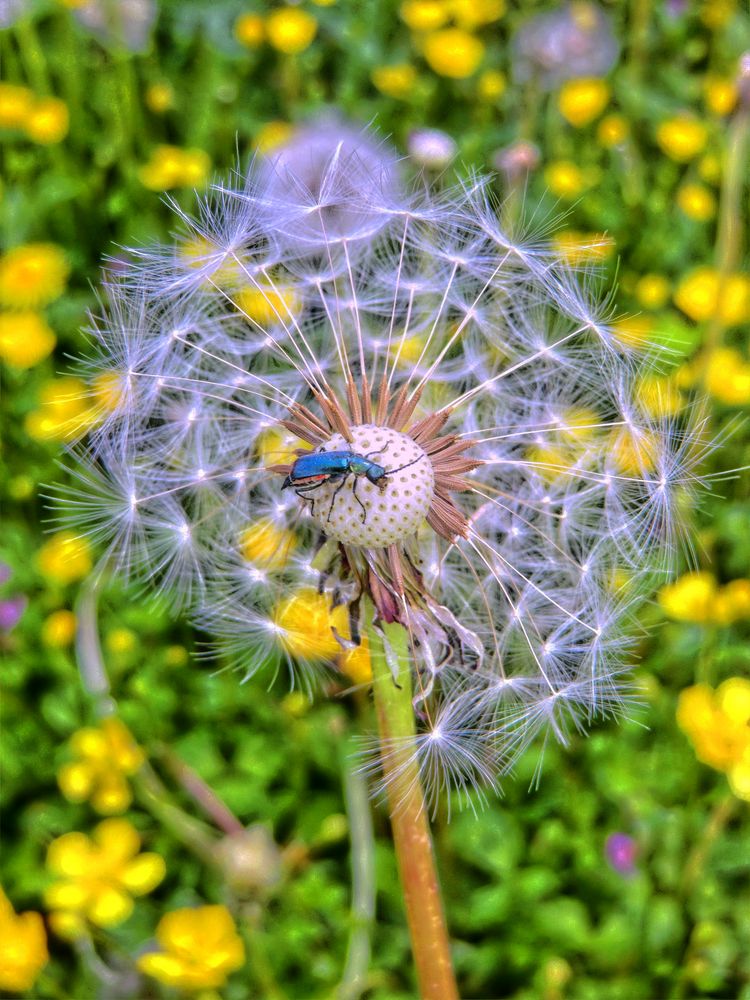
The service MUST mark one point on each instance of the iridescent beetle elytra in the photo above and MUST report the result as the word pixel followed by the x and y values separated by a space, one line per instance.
pixel 312 470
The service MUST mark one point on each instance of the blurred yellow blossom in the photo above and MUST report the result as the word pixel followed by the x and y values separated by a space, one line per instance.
pixel 564 179
pixel 425 15
pixel 272 135
pixel 581 248
pixel 720 94
pixel 198 949
pixel 106 755
pixel 697 202
pixel 32 275
pixel 25 339
pixel 355 662
pixel 491 85
pixel 65 410
pixel 249 30
pixel 717 723
pixel 473 14
pixel 652 291
pixel 612 130
pixel 682 138
pixel 716 13
pixel 697 295
pixel 733 602
pixel 159 97
pixel 659 396
pixel 266 544
pixel 15 104
pixel 291 30
pixel 120 641
pixel 453 53
pixel 66 557
pixel 304 624
pixel 634 331
pixel 634 451
pixel 269 304
pixel 690 598
pixel 47 121
pixel 23 947
pixel 59 629
pixel 277 446
pixel 727 376
pixel 96 877
pixel 172 166
pixel 582 100
pixel 395 81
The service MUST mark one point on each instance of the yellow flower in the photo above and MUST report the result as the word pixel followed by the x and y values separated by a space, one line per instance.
pixel 25 339
pixel 720 94
pixel 355 662
pixel 424 15
pixel 698 295
pixel 272 135
pixel 23 948
pixel 266 544
pixel 612 130
pixel 709 168
pixel 304 624
pixel 733 602
pixel 491 85
pixel 395 81
pixel 159 97
pixel 65 411
pixel 690 598
pixel 32 275
pixel 121 641
pixel 634 451
pixel 652 291
pixel 249 30
pixel 717 723
pixel 581 248
pixel 277 446
pixel 66 557
pixel 106 754
pixel 697 202
pixel 727 376
pixel 682 138
pixel 659 396
pixel 581 101
pixel 453 53
pixel 171 166
pixel 48 121
pixel 472 14
pixel 59 629
pixel 270 305
pixel 199 948
pixel 716 13
pixel 96 877
pixel 15 105
pixel 564 179
pixel 291 30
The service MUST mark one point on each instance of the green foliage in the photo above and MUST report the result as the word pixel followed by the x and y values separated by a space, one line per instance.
pixel 535 909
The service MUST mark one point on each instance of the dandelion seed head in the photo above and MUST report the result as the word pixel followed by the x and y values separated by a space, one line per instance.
pixel 521 500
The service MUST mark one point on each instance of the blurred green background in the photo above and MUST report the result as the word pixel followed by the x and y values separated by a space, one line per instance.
pixel 623 873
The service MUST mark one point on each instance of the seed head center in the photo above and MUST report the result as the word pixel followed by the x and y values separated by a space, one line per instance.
pixel 385 498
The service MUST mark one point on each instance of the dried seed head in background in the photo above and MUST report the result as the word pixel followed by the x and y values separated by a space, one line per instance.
pixel 520 497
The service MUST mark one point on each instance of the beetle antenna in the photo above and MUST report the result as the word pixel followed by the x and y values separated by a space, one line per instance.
pixel 389 472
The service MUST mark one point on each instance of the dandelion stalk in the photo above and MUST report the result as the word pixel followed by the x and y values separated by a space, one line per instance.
pixel 409 818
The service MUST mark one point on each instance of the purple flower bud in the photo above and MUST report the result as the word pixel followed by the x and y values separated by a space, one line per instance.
pixel 11 611
pixel 621 851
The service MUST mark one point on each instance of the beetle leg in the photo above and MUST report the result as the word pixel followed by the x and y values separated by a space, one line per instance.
pixel 354 494
pixel 336 493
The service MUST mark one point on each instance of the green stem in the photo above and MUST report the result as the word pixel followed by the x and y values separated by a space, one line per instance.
pixel 354 978
pixel 409 821
pixel 731 219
